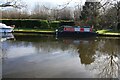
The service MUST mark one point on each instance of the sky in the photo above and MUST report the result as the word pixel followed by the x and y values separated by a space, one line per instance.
pixel 53 1
pixel 50 3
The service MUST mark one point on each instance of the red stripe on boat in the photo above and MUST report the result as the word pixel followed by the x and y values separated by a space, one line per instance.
pixel 81 29
pixel 69 29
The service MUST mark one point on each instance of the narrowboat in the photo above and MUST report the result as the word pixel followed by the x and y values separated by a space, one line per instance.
pixel 6 29
pixel 75 31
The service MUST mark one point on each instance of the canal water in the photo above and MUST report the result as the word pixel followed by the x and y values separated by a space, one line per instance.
pixel 46 56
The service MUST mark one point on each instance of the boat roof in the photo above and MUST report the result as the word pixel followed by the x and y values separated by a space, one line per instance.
pixel 4 26
pixel 66 26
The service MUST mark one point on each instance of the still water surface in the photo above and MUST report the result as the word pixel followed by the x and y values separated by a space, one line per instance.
pixel 45 56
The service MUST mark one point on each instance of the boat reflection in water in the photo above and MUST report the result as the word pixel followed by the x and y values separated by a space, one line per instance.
pixel 6 36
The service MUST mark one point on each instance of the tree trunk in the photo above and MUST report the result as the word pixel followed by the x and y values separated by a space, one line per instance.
pixel 118 7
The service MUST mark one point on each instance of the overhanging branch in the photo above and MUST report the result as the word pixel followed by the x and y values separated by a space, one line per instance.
pixel 63 6
pixel 13 4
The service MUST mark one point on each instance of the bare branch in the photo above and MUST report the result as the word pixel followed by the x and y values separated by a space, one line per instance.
pixel 63 6
pixel 14 4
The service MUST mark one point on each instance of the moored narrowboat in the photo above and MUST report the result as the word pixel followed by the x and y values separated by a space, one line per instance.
pixel 75 31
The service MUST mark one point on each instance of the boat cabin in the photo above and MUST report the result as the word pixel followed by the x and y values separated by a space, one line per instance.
pixel 66 28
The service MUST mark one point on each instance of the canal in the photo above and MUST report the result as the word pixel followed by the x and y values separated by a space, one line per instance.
pixel 46 56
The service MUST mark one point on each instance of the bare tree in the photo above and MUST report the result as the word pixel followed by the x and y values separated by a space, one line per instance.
pixel 17 4
pixel 111 13
pixel 104 11
pixel 10 14
pixel 14 14
pixel 57 12
pixel 14 3
pixel 109 9
pixel 59 7
pixel 77 12
pixel 117 6
pixel 65 14
pixel 39 12
pixel 54 14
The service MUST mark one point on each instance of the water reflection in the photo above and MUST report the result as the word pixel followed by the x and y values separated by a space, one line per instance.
pixel 106 58
pixel 6 36
pixel 97 55
pixel 101 55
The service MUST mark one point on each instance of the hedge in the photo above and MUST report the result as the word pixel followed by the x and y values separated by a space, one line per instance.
pixel 41 24
pixel 38 24
pixel 54 24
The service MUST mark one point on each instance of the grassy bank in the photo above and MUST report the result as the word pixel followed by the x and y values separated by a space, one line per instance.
pixel 34 30
pixel 52 31
pixel 108 32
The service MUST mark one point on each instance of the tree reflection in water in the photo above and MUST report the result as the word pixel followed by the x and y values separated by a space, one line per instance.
pixel 101 56
pixel 87 51
pixel 106 65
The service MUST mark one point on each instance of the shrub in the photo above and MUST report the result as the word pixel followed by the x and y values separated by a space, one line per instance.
pixel 54 24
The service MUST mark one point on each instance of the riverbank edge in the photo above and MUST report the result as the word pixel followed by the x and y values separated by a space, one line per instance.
pixel 53 32
pixel 35 31
pixel 108 33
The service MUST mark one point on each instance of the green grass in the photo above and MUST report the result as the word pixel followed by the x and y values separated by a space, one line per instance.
pixel 108 32
pixel 105 32
pixel 34 30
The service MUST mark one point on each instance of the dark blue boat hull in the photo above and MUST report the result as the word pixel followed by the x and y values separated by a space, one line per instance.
pixel 76 34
